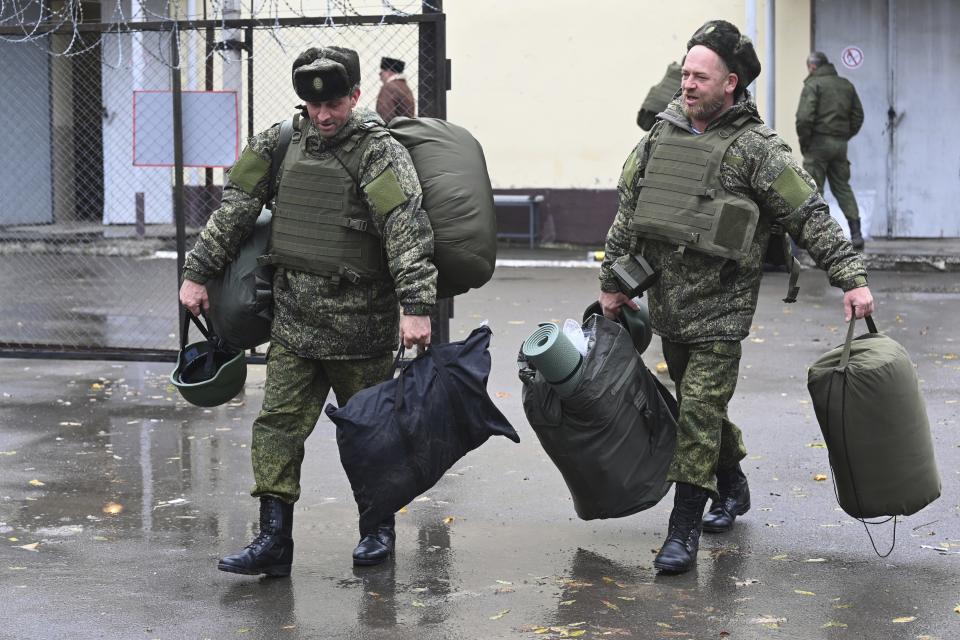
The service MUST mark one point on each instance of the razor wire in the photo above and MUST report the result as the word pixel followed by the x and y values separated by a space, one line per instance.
pixel 88 250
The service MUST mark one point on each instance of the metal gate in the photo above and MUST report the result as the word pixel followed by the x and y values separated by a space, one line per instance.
pixel 92 232
pixel 900 55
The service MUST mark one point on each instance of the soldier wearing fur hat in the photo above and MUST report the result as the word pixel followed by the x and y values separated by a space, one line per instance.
pixel 697 199
pixel 395 98
pixel 352 248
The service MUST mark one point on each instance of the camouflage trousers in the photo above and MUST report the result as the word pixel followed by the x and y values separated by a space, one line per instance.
pixel 826 160
pixel 293 399
pixel 705 375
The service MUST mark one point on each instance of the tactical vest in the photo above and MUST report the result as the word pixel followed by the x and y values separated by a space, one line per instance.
pixel 681 199
pixel 321 224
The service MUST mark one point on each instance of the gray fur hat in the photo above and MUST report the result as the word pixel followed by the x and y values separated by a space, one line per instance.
pixel 325 73
pixel 736 50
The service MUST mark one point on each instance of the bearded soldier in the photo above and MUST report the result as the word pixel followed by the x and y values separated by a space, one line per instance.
pixel 697 199
pixel 352 247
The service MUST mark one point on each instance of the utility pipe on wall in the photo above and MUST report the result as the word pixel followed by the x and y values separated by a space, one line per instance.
pixel 771 63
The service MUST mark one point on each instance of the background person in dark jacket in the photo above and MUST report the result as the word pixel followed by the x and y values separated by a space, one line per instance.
pixel 395 98
pixel 829 115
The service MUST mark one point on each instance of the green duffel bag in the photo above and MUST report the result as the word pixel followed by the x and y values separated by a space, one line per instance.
pixel 241 298
pixel 874 422
pixel 457 197
pixel 613 435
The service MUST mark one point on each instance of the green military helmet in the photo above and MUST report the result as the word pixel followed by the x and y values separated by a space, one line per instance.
pixel 637 322
pixel 208 372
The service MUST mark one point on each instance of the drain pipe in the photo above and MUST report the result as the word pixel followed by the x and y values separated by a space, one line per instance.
pixel 771 63
pixel 751 32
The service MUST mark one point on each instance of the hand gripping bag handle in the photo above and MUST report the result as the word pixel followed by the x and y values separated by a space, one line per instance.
pixel 845 357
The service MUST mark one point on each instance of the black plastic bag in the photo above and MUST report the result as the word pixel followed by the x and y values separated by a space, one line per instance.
pixel 613 438
pixel 397 438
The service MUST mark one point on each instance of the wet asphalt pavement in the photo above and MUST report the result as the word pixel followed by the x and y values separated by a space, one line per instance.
pixel 117 498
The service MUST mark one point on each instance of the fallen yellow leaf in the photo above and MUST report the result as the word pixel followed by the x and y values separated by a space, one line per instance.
pixel 503 394
pixel 576 634
pixel 956 609
pixel 417 603
pixel 500 614
pixel 950 356
pixel 800 592
pixel 904 619
pixel 819 477
pixel 96 386
pixel 817 445
pixel 37 483
pixel 567 603
pixel 662 367
pixel 112 508
pixel 402 510
pixel 610 605
pixel 503 582
pixel 30 547
pixel 448 520
pixel 834 623
pixel 664 625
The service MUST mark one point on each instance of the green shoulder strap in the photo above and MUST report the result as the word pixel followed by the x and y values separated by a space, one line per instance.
pixel 276 161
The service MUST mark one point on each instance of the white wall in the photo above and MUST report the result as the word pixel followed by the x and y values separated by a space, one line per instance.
pixel 551 89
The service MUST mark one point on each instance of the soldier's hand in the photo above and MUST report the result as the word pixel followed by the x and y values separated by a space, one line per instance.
pixel 859 301
pixel 415 330
pixel 194 297
pixel 611 303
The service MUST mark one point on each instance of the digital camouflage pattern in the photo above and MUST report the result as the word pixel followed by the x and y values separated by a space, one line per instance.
pixel 313 316
pixel 700 298
pixel 705 375
pixel 293 399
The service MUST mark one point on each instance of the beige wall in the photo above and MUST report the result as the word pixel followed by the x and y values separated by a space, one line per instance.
pixel 551 88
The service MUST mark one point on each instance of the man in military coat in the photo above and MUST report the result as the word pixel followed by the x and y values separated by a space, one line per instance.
pixel 352 248
pixel 697 199
pixel 829 114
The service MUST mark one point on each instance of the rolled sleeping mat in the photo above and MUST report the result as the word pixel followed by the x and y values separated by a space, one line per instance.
pixel 552 353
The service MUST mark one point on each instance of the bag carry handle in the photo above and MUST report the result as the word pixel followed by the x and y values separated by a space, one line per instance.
pixel 185 327
pixel 845 358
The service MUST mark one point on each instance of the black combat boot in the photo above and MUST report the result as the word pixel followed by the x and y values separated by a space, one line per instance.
pixel 734 500
pixel 375 546
pixel 679 551
pixel 855 238
pixel 271 552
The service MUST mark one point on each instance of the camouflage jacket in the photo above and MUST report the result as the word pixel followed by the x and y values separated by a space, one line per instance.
pixel 703 298
pixel 312 315
pixel 829 106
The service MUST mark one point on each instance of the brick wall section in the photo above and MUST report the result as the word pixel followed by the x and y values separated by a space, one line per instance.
pixel 567 216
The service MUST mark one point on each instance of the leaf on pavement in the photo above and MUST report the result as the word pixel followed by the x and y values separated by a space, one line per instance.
pixel 500 614
pixel 448 520
pixel 567 603
pixel 38 483
pixel 662 367
pixel 819 477
pixel 801 592
pixel 746 582
pixel 903 619
pixel 610 605
pixel 503 394
pixel 112 508
pixel 30 547
pixel 834 624
pixel 817 445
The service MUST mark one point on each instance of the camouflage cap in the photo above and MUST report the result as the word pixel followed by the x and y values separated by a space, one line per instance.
pixel 736 50
pixel 325 73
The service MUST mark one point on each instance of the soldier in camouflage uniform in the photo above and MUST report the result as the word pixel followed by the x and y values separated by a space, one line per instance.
pixel 829 114
pixel 352 247
pixel 697 198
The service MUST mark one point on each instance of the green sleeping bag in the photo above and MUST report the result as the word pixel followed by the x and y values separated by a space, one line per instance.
pixel 874 422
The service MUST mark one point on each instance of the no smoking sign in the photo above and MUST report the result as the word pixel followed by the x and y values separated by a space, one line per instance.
pixel 852 57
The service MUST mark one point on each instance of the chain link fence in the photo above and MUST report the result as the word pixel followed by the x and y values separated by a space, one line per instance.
pixel 120 129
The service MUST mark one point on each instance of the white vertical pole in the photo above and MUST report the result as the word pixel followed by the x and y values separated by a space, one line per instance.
pixel 751 32
pixel 771 63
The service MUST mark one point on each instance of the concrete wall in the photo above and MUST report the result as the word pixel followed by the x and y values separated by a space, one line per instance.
pixel 552 89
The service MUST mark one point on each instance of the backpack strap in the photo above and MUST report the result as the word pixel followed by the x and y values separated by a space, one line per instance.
pixel 276 160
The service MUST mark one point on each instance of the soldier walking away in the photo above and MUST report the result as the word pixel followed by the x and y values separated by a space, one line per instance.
pixel 697 198
pixel 352 247
pixel 829 114
pixel 395 98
